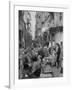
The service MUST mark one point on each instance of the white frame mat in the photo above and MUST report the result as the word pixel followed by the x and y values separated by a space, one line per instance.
pixel 14 81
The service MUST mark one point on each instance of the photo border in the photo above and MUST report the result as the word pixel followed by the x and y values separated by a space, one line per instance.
pixel 14 82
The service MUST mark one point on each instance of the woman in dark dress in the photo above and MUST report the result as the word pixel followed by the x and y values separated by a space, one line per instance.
pixel 58 51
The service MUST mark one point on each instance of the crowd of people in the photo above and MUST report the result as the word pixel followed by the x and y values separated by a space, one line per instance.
pixel 39 60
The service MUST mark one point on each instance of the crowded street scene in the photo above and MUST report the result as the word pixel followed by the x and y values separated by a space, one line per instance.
pixel 40 44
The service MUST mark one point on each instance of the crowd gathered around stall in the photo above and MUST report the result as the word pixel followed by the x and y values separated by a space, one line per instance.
pixel 41 60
